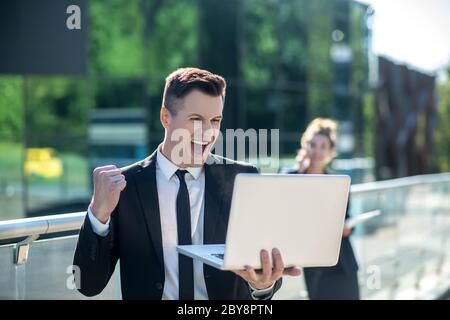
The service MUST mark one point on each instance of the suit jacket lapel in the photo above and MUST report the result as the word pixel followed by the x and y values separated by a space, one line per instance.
pixel 148 196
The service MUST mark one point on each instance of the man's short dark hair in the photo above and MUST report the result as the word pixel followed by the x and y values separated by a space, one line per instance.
pixel 184 80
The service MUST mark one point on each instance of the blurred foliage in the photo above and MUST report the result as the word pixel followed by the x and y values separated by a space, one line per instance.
pixel 116 34
pixel 368 136
pixel 11 108
pixel 442 133
pixel 275 55
pixel 275 63
pixel 320 90
pixel 174 41
pixel 56 114
pixel 363 100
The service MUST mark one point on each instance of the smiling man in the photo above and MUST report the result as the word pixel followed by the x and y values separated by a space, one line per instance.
pixel 181 194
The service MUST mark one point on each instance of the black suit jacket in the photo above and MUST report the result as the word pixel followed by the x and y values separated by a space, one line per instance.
pixel 135 236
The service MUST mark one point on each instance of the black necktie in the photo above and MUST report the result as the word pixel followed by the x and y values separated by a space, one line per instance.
pixel 185 264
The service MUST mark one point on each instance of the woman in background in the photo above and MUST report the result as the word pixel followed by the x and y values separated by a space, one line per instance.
pixel 340 282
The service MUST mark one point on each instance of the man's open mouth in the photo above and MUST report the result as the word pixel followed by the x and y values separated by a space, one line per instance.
pixel 197 144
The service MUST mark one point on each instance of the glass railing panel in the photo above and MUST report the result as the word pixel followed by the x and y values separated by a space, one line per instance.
pixel 403 253
pixel 47 273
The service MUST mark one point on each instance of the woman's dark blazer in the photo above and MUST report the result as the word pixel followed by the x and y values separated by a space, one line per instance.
pixel 339 281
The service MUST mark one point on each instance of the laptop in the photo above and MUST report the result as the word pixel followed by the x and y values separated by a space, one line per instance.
pixel 300 214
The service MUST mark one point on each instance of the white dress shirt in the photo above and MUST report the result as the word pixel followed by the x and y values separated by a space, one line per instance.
pixel 167 184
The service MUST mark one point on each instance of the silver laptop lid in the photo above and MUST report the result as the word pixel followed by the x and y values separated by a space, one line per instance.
pixel 302 215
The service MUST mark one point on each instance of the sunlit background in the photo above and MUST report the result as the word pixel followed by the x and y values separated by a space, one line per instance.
pixel 413 32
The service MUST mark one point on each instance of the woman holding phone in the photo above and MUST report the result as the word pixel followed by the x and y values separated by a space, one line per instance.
pixel 340 282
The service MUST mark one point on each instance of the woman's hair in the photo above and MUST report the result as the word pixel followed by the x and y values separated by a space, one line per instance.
pixel 326 127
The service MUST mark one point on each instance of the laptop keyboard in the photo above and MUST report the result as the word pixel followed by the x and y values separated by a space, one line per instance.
pixel 218 255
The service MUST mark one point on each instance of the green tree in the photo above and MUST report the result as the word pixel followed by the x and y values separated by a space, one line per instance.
pixel 11 108
pixel 442 133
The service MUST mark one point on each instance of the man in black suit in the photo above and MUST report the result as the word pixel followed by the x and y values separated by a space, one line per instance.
pixel 181 194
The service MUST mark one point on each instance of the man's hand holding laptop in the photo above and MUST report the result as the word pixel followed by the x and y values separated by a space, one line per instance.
pixel 268 275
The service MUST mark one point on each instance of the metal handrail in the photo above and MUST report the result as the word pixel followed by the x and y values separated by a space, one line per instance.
pixel 17 228
pixel 400 182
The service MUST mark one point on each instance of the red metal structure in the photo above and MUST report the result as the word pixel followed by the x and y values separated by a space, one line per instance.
pixel 405 120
